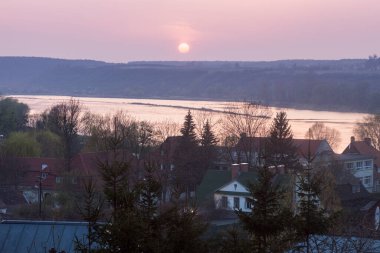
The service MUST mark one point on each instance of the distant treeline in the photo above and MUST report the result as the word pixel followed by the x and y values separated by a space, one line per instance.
pixel 352 85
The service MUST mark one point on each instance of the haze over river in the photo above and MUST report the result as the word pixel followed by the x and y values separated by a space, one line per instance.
pixel 157 110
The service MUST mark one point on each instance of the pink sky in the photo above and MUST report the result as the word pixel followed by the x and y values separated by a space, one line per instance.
pixel 127 30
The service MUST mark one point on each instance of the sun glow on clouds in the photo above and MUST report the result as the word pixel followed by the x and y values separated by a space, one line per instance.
pixel 119 30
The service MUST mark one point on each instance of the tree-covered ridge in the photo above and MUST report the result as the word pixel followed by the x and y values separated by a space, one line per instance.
pixel 331 85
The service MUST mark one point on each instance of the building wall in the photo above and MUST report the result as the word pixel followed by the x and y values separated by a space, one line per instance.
pixel 231 187
pixel 363 170
pixel 230 202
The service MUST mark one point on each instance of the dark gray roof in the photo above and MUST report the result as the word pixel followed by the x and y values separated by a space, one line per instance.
pixel 352 157
pixel 40 236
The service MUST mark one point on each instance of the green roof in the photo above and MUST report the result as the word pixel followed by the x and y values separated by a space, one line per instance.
pixel 213 180
pixel 247 177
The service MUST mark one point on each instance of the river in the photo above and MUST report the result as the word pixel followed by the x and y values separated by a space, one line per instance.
pixel 157 110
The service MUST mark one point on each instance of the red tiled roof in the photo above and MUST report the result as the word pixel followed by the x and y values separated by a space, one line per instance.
pixel 251 143
pixel 363 148
pixel 168 148
pixel 31 168
pixel 83 165
pixel 302 145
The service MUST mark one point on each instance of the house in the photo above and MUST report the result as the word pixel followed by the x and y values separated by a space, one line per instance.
pixel 235 195
pixel 361 166
pixel 249 149
pixel 365 148
pixel 319 151
pixel 226 189
pixel 360 207
pixel 47 176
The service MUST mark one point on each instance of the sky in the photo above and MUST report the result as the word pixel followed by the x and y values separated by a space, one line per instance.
pixel 241 30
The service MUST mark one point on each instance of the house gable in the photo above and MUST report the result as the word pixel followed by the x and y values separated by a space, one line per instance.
pixel 233 187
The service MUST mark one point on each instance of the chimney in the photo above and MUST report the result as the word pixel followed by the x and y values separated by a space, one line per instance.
pixel 281 169
pixel 235 170
pixel 244 167
pixel 272 169
pixel 352 139
pixel 368 141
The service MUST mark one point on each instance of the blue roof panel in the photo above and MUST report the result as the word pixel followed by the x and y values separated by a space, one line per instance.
pixel 40 236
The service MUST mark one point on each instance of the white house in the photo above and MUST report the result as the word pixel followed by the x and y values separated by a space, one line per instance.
pixel 233 196
pixel 361 166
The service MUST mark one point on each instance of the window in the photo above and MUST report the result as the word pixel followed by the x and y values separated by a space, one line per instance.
pixel 359 165
pixel 349 165
pixel 59 180
pixel 43 175
pixel 248 203
pixel 236 202
pixel 368 164
pixel 367 180
pixel 224 202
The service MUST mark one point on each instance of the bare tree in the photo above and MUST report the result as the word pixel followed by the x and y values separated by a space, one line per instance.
pixel 165 129
pixel 369 127
pixel 64 120
pixel 96 128
pixel 318 131
pixel 201 117
pixel 246 120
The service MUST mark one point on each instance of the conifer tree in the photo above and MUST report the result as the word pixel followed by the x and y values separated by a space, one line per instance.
pixel 186 160
pixel 123 232
pixel 208 152
pixel 149 191
pixel 90 207
pixel 280 149
pixel 183 230
pixel 312 218
pixel 208 137
pixel 270 221
pixel 188 129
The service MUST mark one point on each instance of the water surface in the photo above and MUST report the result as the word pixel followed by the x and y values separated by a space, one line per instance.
pixel 157 110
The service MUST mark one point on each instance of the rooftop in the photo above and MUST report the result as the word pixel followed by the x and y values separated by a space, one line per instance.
pixel 40 236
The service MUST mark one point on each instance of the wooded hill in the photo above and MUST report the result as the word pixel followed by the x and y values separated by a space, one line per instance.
pixel 352 85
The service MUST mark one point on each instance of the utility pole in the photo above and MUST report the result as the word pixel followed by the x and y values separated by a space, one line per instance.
pixel 40 177
pixel 40 195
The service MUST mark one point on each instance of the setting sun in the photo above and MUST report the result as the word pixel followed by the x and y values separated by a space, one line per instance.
pixel 183 48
